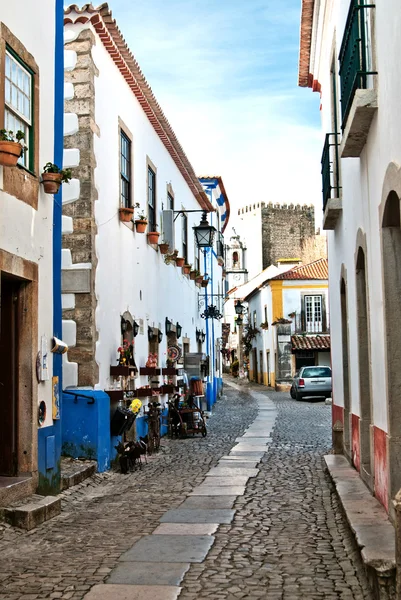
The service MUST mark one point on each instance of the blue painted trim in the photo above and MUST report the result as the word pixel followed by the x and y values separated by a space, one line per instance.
pixel 211 183
pixel 49 479
pixel 221 200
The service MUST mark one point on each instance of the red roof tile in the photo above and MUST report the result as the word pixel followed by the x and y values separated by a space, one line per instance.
pixel 112 39
pixel 319 269
pixel 310 342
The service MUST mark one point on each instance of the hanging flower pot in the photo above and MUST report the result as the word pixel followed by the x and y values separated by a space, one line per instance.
pixel 126 214
pixel 199 279
pixel 180 262
pixel 140 225
pixel 186 269
pixel 51 182
pixel 153 237
pixel 204 282
pixel 192 275
pixel 9 153
pixel 164 248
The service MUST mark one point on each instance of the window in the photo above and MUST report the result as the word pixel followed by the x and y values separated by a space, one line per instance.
pixel 185 237
pixel 18 104
pixel 313 314
pixel 170 201
pixel 265 309
pixel 235 259
pixel 254 318
pixel 312 372
pixel 125 171
pixel 152 200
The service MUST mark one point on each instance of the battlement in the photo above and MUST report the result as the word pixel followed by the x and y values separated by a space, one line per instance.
pixel 276 206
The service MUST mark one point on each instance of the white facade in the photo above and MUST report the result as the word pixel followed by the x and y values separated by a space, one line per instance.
pixel 131 275
pixel 369 158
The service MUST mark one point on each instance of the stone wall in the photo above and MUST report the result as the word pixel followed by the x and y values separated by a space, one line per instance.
pixel 285 231
pixel 79 229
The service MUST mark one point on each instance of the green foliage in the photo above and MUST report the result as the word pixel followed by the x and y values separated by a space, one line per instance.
pixel 250 334
pixel 66 174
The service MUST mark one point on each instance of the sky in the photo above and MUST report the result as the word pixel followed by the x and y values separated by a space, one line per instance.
pixel 225 74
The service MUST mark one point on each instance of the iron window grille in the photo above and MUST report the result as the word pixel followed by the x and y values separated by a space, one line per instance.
pixel 330 171
pixel 125 170
pixel 151 200
pixel 355 55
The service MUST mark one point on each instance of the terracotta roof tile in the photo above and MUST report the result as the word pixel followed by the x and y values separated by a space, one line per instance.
pixel 319 269
pixel 112 39
pixel 310 342
pixel 305 79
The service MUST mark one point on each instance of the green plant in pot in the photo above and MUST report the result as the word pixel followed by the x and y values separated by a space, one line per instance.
pixel 141 221
pixel 153 236
pixel 198 277
pixel 186 269
pixel 11 147
pixel 164 247
pixel 53 177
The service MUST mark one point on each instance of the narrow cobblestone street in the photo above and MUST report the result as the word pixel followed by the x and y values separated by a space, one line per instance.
pixel 288 539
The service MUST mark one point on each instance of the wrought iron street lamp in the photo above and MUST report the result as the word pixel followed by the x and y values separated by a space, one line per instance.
pixel 135 328
pixel 204 233
pixel 211 312
pixel 239 308
pixel 160 336
pixel 178 329
pixel 168 326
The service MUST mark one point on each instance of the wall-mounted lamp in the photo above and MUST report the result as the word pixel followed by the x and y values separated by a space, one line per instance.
pixel 151 335
pixel 123 325
pixel 239 308
pixel 178 330
pixel 204 233
pixel 135 328
pixel 168 326
pixel 160 336
pixel 202 336
pixel 239 320
pixel 211 312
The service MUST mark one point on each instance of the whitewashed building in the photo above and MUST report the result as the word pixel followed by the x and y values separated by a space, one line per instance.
pixel 290 310
pixel 347 54
pixel 117 283
pixel 30 224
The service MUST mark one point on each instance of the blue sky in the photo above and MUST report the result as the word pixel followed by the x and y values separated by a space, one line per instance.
pixel 225 73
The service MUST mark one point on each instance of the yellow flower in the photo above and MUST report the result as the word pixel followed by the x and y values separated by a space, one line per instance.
pixel 135 405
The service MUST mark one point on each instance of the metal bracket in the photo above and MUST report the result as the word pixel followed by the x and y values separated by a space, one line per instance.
pixel 76 396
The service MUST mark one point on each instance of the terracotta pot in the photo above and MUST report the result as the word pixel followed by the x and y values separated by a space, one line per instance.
pixel 220 262
pixel 180 262
pixel 9 153
pixel 126 214
pixel 192 275
pixel 51 182
pixel 205 282
pixel 164 248
pixel 153 237
pixel 186 269
pixel 140 225
pixel 199 279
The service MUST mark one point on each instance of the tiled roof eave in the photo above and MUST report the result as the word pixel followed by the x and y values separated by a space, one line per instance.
pixel 305 79
pixel 111 37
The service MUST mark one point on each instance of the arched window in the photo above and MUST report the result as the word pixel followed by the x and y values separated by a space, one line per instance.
pixel 235 259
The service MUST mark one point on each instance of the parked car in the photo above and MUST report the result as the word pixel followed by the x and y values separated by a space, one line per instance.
pixel 311 381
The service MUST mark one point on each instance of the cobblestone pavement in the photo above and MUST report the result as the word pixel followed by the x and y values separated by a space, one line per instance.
pixel 288 539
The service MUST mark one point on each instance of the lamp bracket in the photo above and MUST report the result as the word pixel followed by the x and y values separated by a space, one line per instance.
pixel 184 212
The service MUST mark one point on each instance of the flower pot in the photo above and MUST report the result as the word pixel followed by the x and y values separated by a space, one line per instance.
pixel 180 262
pixel 153 237
pixel 204 282
pixel 140 225
pixel 164 248
pixel 192 275
pixel 186 269
pixel 199 279
pixel 51 182
pixel 220 262
pixel 126 214
pixel 9 153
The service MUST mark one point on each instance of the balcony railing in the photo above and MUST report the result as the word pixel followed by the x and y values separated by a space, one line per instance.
pixel 354 55
pixel 330 178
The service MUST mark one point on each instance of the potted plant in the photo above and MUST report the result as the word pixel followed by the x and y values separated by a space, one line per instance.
pixel 164 247
pixel 198 277
pixel 179 261
pixel 204 282
pixel 53 177
pixel 192 275
pixel 153 236
pixel 186 269
pixel 126 213
pixel 141 220
pixel 11 147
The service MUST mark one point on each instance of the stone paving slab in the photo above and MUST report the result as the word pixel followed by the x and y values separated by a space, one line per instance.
pixel 200 515
pixel 209 502
pixel 169 548
pixel 253 441
pixel 218 491
pixel 148 573
pixel 237 464
pixel 243 454
pixel 186 529
pixel 218 472
pixel 244 447
pixel 133 592
pixel 225 480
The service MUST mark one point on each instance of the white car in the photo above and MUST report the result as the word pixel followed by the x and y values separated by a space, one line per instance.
pixel 311 381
